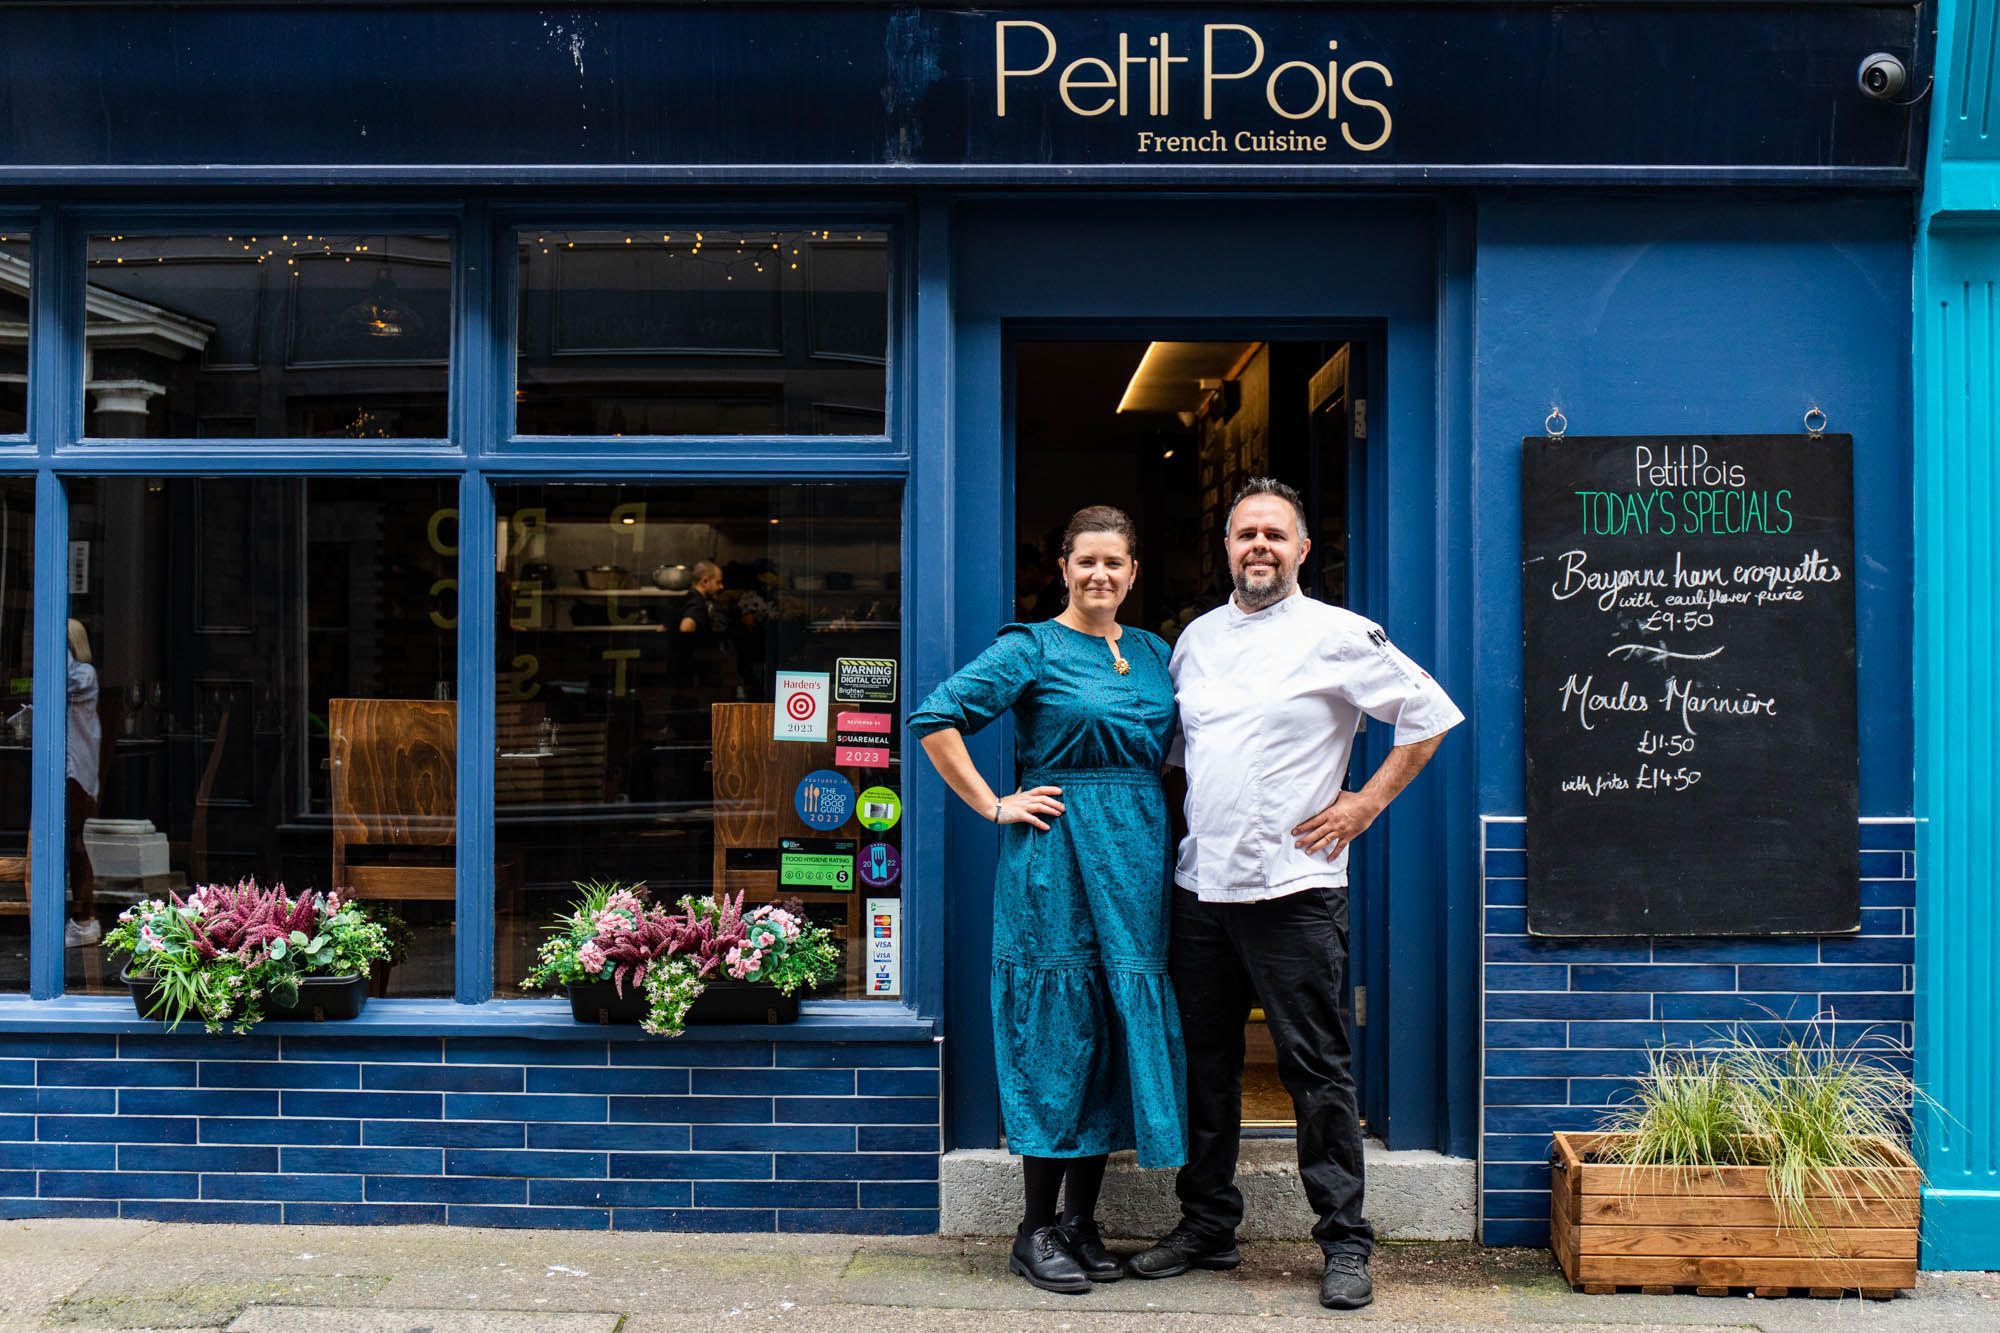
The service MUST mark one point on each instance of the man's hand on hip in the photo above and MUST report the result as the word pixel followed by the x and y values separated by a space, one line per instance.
pixel 1339 824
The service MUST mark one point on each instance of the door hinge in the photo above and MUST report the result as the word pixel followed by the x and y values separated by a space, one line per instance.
pixel 1361 418
pixel 1361 1006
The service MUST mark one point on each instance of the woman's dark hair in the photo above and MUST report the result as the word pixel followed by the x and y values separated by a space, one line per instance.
pixel 1100 518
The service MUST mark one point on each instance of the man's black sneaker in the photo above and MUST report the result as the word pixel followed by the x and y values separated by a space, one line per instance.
pixel 1180 1250
pixel 1041 1257
pixel 1346 1285
pixel 1086 1243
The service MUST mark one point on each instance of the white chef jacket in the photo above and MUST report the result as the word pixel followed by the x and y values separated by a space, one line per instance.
pixel 1269 702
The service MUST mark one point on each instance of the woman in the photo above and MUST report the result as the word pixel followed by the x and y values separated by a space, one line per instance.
pixel 1086 1033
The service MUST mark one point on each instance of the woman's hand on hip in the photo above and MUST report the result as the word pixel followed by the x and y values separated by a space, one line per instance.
pixel 1028 807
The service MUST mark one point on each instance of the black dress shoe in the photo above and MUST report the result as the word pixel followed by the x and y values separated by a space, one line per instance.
pixel 1346 1285
pixel 1086 1244
pixel 1041 1257
pixel 1180 1250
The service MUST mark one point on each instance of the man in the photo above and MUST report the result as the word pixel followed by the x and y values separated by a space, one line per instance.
pixel 698 616
pixel 1271 686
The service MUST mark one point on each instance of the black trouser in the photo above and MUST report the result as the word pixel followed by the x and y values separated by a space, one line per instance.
pixel 1290 953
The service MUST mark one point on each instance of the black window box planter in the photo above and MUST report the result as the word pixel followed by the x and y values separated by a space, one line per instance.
pixel 725 1001
pixel 321 999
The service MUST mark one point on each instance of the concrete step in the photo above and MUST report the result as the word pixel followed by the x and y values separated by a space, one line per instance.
pixel 1412 1195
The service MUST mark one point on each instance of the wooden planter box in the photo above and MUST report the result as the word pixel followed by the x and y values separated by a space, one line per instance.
pixel 1715 1229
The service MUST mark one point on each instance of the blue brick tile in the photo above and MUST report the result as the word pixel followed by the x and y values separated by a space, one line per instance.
pixel 13 1127
pixel 1900 836
pixel 19 1184
pixel 691 1166
pixel 1584 1063
pixel 890 1138
pixel 693 1055
pixel 1531 949
pixel 1868 949
pixel 782 1082
pixel 1879 1008
pixel 1736 951
pixel 1506 892
pixel 1505 864
pixel 1882 865
pixel 1526 1034
pixel 857 1166
pixel 116 1129
pixel 631 1138
pixel 864 1221
pixel 206 1046
pixel 443 1078
pixel 364 1214
pixel 446 1189
pixel 21 1046
pixel 1592 1004
pixel 153 1210
pixel 522 1162
pixel 1525 1205
pixel 858 1110
pixel 1518 1148
pixel 645 1080
pixel 1526 1091
pixel 1541 1119
pixel 442 1134
pixel 195 1157
pixel 777 1138
pixel 1824 977
pixel 56 1156
pixel 117 1073
pixel 611 1193
pixel 776 1194
pixel 1762 1007
pixel 560 1219
pixel 1873 1038
pixel 58 1101
pixel 17 1072
pixel 1530 1235
pixel 373 1105
pixel 694 1110
pixel 295 1187
pixel 196 1101
pixel 888 1055
pixel 1527 976
pixel 1601 1091
pixel 694 1219
pixel 1502 835
pixel 521 1051
pixel 19 1209
pixel 277 1074
pixel 330 1133
pixel 364 1161
pixel 398 1050
pixel 1653 977
pixel 899 1194
pixel 1534 1176
pixel 119 1185
pixel 1506 921
pixel 1888 893
pixel 1885 921
pixel 520 1106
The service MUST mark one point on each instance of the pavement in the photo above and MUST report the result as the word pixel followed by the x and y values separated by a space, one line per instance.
pixel 130 1275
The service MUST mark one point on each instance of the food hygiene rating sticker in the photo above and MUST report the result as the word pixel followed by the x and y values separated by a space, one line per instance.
pixel 824 800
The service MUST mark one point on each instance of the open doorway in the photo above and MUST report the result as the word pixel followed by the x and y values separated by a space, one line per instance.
pixel 1168 431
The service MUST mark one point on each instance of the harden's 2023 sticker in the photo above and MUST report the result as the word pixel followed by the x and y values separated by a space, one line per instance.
pixel 880 809
pixel 824 799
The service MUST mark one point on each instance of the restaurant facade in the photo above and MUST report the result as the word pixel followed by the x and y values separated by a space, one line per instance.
pixel 457 436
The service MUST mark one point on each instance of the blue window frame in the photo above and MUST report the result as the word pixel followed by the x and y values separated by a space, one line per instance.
pixel 479 451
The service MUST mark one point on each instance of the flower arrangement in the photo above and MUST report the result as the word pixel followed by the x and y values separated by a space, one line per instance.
pixel 225 950
pixel 615 933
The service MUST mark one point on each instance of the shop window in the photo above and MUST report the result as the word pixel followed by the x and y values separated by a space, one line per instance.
pixel 269 336
pixel 274 665
pixel 702 332
pixel 17 665
pixel 14 276
pixel 698 689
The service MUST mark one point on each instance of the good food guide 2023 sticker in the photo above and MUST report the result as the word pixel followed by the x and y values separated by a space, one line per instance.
pixel 824 800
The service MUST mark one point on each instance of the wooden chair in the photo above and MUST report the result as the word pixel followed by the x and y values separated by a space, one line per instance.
pixel 754 778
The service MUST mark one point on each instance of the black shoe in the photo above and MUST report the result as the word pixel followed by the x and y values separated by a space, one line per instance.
pixel 1180 1250
pixel 1346 1285
pixel 1086 1245
pixel 1041 1257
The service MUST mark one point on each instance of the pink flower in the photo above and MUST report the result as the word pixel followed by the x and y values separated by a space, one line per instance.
pixel 591 957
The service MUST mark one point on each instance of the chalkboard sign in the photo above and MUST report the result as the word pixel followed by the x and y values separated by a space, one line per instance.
pixel 1688 612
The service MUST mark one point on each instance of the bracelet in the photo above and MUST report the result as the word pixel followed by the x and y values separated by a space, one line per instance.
pixel 996 812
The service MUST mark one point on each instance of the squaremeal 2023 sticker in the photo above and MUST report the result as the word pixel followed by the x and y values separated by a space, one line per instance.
pixel 861 740
pixel 864 680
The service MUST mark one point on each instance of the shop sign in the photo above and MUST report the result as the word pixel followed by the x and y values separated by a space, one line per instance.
pixel 799 710
pixel 884 959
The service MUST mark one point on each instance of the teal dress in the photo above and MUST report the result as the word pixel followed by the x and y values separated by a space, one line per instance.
pixel 1086 1033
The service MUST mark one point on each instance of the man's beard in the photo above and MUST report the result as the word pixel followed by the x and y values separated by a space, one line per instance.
pixel 1277 590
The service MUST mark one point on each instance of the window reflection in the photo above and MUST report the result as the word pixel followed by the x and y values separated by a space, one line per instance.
pixel 17 666
pixel 14 282
pixel 642 631
pixel 274 663
pixel 702 332
pixel 266 336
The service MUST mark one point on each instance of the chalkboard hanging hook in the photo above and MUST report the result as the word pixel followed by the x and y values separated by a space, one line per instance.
pixel 1815 421
pixel 1556 423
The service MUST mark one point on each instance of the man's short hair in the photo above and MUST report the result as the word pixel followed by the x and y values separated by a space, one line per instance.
pixel 1266 486
pixel 706 569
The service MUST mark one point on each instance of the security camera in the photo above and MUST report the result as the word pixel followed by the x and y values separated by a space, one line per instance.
pixel 1882 77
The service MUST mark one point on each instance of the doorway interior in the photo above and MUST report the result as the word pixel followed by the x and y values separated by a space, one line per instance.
pixel 1169 430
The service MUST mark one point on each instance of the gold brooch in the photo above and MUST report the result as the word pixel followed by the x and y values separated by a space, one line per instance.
pixel 1120 665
